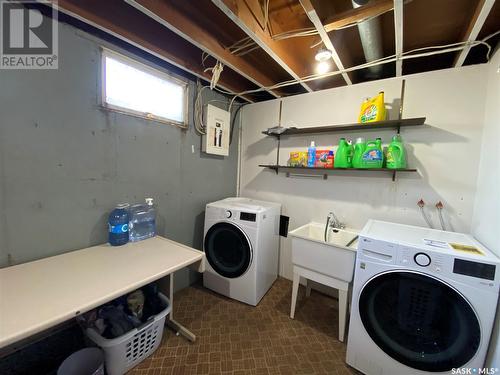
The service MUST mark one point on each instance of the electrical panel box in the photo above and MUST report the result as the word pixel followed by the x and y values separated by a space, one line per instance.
pixel 216 139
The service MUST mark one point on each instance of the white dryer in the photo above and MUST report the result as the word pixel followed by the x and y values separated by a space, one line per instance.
pixel 424 301
pixel 241 244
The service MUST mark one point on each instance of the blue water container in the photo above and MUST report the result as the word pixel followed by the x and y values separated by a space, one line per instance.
pixel 118 225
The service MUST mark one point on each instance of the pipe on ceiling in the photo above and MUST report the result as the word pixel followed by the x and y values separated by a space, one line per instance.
pixel 371 40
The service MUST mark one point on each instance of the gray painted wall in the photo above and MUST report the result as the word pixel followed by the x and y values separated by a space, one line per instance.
pixel 65 162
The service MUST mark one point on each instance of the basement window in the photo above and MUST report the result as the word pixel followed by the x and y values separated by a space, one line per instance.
pixel 133 88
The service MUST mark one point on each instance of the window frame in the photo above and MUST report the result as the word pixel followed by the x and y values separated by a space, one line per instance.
pixel 105 52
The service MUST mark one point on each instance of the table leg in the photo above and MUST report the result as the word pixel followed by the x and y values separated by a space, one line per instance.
pixel 176 326
pixel 171 293
pixel 295 291
pixel 342 313
pixel 308 287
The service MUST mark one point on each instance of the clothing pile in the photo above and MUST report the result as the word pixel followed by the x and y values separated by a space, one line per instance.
pixel 124 313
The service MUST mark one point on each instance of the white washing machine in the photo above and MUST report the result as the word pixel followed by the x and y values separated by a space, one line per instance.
pixel 424 301
pixel 241 244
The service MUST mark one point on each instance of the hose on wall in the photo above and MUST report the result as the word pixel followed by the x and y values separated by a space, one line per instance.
pixel 421 205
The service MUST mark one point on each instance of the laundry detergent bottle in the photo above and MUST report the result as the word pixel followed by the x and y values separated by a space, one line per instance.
pixel 311 155
pixel 396 154
pixel 359 148
pixel 373 109
pixel 343 156
pixel 373 157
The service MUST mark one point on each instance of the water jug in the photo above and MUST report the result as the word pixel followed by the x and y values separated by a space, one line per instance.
pixel 118 225
pixel 142 223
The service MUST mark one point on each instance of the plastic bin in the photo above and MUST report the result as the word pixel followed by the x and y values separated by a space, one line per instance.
pixel 124 352
pixel 88 361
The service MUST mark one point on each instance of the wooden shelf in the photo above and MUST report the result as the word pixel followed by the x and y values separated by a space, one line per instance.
pixel 358 127
pixel 328 170
pixel 274 166
pixel 389 124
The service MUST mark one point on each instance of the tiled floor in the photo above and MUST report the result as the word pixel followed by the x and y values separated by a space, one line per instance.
pixel 233 338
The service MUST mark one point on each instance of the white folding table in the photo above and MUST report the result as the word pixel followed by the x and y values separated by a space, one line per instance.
pixel 38 295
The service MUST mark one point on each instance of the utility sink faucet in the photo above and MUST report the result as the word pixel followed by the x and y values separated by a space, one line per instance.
pixel 333 223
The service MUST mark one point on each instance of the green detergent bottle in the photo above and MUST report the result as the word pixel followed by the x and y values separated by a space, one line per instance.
pixel 350 150
pixel 396 154
pixel 359 148
pixel 373 157
pixel 343 156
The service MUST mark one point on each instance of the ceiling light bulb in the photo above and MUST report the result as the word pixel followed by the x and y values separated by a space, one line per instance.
pixel 322 67
pixel 323 54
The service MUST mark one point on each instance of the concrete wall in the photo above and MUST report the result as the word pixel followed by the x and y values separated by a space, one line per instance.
pixel 486 220
pixel 446 153
pixel 65 163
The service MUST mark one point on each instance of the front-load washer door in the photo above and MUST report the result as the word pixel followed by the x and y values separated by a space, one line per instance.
pixel 228 250
pixel 419 320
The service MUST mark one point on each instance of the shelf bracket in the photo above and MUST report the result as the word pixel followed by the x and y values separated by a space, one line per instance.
pixel 278 153
pixel 402 99
pixel 401 102
pixel 279 136
pixel 393 176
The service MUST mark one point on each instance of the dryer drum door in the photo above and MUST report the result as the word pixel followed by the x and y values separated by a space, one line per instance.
pixel 419 320
pixel 228 250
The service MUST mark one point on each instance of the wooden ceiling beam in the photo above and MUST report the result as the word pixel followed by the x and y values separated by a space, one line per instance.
pixel 373 8
pixel 257 11
pixel 128 34
pixel 169 16
pixel 398 33
pixel 480 14
pixel 241 14
pixel 314 18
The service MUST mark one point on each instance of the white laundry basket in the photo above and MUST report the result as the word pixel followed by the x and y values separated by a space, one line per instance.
pixel 124 352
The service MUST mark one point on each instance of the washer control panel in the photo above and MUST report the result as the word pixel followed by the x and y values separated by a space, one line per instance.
pixel 417 259
pixel 422 259
pixel 249 219
pixel 450 265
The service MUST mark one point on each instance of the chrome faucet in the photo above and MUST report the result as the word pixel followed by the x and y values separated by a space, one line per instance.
pixel 333 223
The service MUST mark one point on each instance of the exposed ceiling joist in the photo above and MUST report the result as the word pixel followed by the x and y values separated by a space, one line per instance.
pixel 481 13
pixel 398 32
pixel 373 8
pixel 314 18
pixel 169 16
pixel 126 34
pixel 239 12
pixel 260 45
pixel 256 7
